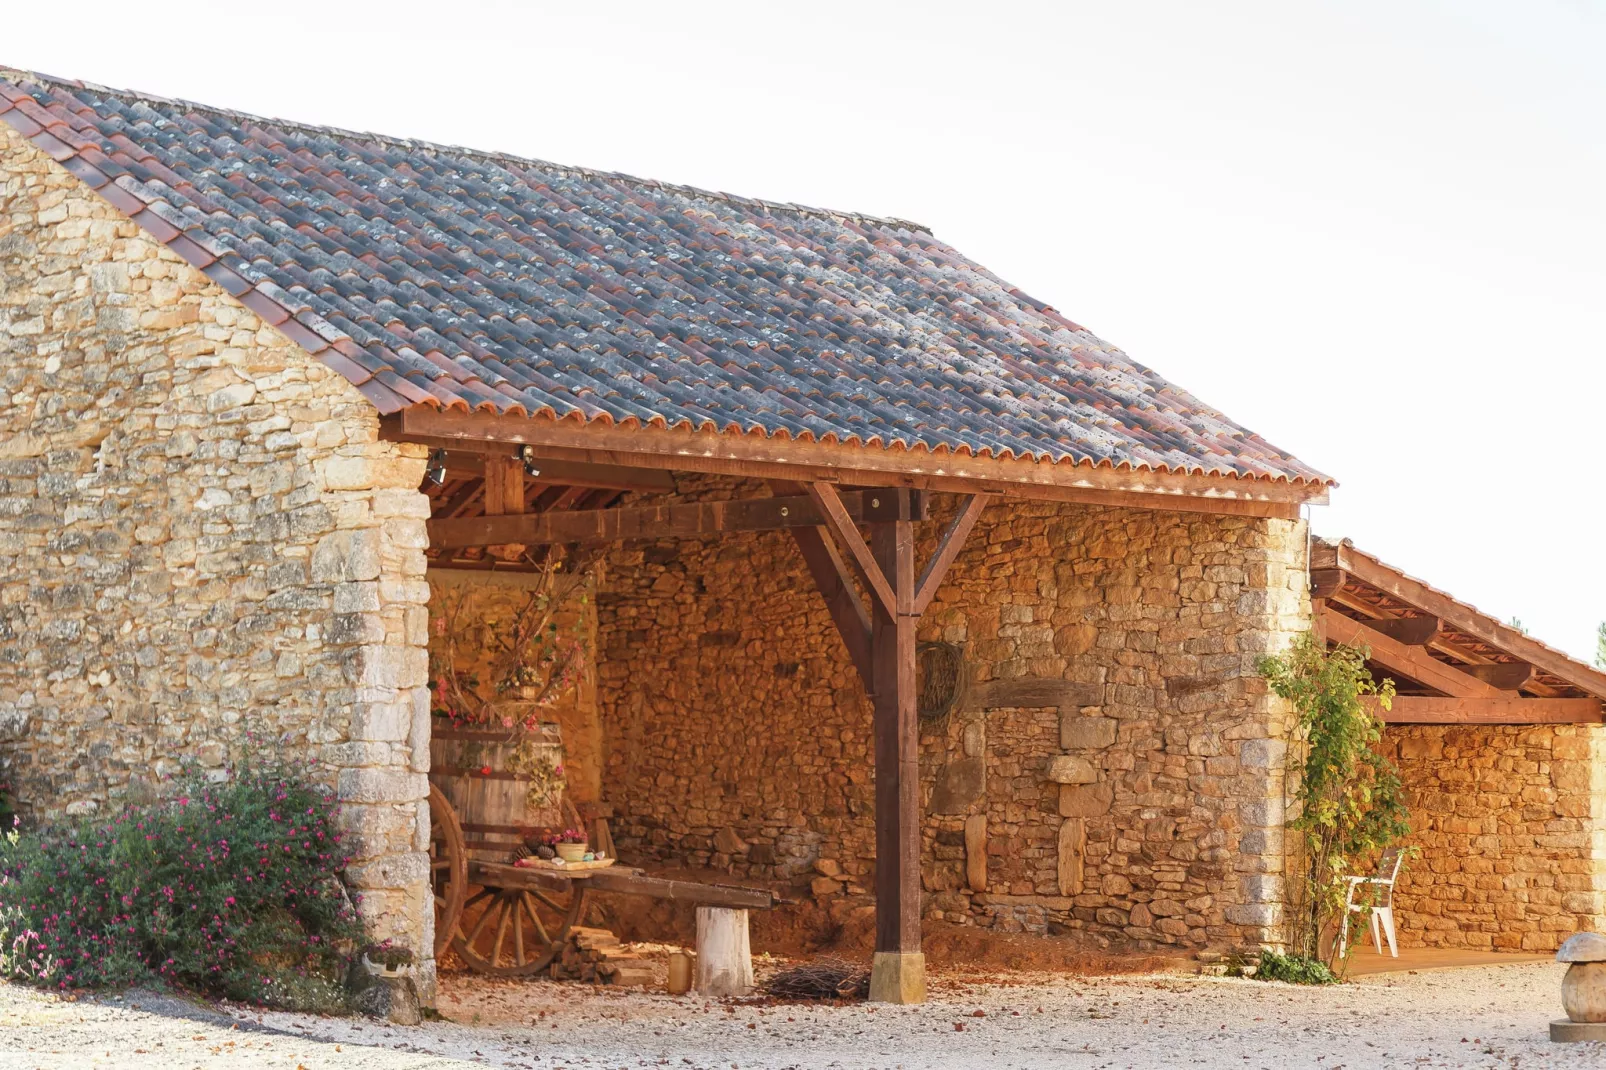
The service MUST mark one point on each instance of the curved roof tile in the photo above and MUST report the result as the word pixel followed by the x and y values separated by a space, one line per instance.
pixel 440 276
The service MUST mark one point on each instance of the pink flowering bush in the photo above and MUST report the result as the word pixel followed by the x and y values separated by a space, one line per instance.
pixel 226 889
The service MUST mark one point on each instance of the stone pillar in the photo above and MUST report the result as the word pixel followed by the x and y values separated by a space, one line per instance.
pixel 375 563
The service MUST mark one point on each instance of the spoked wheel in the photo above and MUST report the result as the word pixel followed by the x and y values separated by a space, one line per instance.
pixel 514 932
pixel 448 867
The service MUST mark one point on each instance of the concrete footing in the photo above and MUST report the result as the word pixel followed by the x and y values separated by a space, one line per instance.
pixel 1564 1030
pixel 898 977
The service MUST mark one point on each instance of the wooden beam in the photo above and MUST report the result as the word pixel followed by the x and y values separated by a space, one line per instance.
pixel 953 540
pixel 1411 661
pixel 1325 582
pixel 1462 618
pixel 463 461
pixel 830 574
pixel 757 457
pixel 1412 631
pixel 1418 709
pixel 1507 676
pixel 680 519
pixel 839 522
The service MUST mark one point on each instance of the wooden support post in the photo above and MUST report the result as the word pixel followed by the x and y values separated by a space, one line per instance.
pixel 724 956
pixel 504 496
pixel 882 644
pixel 898 973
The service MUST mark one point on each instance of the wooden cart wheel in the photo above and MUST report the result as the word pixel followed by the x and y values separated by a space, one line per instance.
pixel 514 932
pixel 448 867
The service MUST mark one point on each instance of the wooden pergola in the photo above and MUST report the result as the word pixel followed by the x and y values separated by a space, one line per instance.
pixel 508 480
pixel 1450 663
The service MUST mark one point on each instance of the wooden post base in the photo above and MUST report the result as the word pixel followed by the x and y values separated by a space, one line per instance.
pixel 898 977
pixel 724 957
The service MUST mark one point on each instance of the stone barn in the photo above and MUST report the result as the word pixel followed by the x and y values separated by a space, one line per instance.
pixel 909 593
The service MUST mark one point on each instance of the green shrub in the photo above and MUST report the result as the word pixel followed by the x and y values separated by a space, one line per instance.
pixel 226 889
pixel 1295 969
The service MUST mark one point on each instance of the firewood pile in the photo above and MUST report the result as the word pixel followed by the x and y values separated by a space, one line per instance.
pixel 595 955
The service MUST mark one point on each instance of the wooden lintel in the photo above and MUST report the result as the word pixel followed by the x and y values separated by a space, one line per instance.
pixel 757 457
pixel 1410 661
pixel 1412 631
pixel 1421 709
pixel 680 519
pixel 1325 582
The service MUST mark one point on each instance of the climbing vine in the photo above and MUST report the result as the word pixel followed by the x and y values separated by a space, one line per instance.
pixel 1348 802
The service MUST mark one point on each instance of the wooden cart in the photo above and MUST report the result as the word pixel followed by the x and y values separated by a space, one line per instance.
pixel 512 921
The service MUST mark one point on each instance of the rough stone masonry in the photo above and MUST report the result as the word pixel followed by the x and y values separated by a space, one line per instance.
pixel 203 538
pixel 1111 763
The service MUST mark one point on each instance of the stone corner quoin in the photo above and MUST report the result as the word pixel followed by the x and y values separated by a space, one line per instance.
pixel 201 536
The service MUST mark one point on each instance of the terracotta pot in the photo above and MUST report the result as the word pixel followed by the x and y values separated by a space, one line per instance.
pixel 570 852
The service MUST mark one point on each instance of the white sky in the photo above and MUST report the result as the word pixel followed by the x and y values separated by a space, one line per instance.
pixel 1374 232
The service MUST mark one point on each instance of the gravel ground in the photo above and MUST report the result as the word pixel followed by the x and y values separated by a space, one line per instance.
pixel 1471 1017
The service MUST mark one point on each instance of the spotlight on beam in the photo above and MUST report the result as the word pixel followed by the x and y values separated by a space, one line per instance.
pixel 527 455
pixel 435 473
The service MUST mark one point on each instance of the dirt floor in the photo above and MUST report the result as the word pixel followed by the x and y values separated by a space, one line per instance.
pixel 1487 1016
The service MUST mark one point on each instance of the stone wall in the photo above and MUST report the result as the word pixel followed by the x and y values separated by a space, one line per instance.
pixel 1511 824
pixel 201 536
pixel 1112 714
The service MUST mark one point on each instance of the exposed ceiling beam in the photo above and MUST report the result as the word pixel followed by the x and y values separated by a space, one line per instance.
pixel 1422 709
pixel 1326 582
pixel 1507 676
pixel 1410 661
pixel 772 458
pixel 1412 631
pixel 464 462
pixel 679 519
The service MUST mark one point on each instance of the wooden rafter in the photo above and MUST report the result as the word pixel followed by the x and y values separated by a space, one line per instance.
pixel 1411 661
pixel 1476 627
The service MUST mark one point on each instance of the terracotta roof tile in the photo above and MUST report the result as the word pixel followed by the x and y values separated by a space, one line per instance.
pixel 440 276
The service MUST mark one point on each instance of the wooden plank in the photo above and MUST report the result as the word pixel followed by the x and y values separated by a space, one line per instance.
pixel 771 458
pixel 1325 582
pixel 1462 618
pixel 839 522
pixel 1412 631
pixel 712 895
pixel 1419 709
pixel 464 461
pixel 1413 662
pixel 624 881
pixel 670 520
pixel 953 540
pixel 897 744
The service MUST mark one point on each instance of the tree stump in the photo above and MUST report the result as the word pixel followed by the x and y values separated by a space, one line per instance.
pixel 724 957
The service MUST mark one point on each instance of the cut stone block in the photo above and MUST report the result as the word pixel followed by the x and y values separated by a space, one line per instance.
pixel 1086 800
pixel 1086 733
pixel 1069 769
pixel 959 785
pixel 976 852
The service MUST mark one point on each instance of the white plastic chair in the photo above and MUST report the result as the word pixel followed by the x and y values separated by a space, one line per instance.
pixel 1381 906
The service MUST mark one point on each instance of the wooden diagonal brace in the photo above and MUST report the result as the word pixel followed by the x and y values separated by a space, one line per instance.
pixel 846 534
pixel 953 540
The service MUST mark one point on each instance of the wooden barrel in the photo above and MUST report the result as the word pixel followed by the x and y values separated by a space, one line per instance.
pixel 484 774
